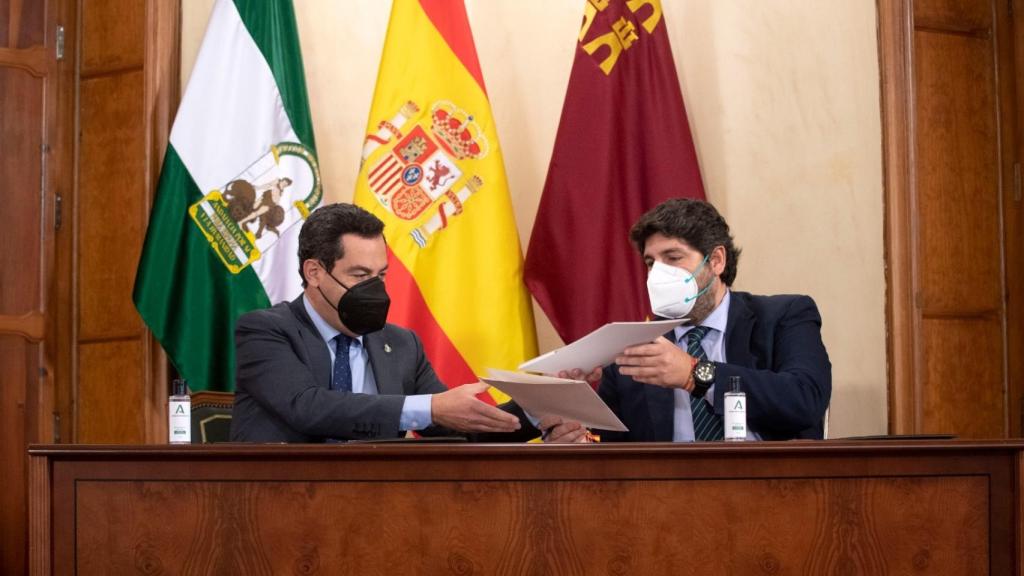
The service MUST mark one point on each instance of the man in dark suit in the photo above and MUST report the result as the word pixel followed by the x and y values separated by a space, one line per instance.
pixel 326 366
pixel 673 389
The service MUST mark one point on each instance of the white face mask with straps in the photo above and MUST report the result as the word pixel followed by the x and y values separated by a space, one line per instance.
pixel 673 291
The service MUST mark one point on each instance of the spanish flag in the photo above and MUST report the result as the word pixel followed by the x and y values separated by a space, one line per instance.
pixel 432 171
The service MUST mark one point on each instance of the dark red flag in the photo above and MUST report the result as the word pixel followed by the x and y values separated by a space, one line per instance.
pixel 623 146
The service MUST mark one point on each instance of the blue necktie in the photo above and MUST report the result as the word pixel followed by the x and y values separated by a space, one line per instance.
pixel 706 424
pixel 342 378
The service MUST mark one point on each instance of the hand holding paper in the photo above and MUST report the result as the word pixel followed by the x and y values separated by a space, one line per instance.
pixel 600 347
pixel 557 430
pixel 544 396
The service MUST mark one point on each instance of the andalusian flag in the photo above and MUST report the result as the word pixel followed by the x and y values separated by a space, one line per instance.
pixel 239 177
pixel 432 170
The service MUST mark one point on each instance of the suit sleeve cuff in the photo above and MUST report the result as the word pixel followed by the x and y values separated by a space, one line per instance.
pixel 415 412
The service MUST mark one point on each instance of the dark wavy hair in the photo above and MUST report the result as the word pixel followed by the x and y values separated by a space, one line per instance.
pixel 320 237
pixel 693 221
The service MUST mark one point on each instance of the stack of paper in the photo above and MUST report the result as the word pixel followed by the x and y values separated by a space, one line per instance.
pixel 600 347
pixel 542 396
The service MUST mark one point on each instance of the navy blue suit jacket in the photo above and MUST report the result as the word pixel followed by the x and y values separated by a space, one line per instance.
pixel 773 343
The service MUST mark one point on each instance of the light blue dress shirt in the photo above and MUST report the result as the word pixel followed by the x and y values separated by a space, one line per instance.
pixel 416 413
pixel 714 346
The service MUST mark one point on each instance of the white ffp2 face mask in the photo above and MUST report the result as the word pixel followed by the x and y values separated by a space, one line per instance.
pixel 673 291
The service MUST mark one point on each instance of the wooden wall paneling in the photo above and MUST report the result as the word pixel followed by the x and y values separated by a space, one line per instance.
pixel 113 37
pixel 895 35
pixel 965 15
pixel 110 402
pixel 129 90
pixel 162 91
pixel 1011 232
pixel 958 175
pixel 1013 210
pixel 111 396
pixel 111 189
pixel 947 93
pixel 948 404
pixel 960 262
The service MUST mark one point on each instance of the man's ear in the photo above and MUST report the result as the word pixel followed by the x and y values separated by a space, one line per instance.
pixel 311 272
pixel 717 260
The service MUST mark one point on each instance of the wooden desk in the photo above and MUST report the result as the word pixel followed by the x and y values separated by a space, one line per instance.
pixel 746 509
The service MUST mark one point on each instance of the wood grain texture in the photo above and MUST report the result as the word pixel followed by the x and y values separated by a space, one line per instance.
pixel 162 92
pixel 958 176
pixel 894 40
pixel 39 513
pixel 554 527
pixel 113 36
pixel 959 352
pixel 109 396
pixel 30 326
pixel 112 191
pixel 965 15
pixel 772 508
pixel 21 166
pixel 954 239
pixel 13 440
pixel 1013 211
pixel 21 23
pixel 26 97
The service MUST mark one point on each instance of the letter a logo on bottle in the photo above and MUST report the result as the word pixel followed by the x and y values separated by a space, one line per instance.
pixel 180 409
pixel 739 405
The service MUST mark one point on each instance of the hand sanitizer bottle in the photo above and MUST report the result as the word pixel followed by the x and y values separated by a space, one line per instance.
pixel 735 412
pixel 179 414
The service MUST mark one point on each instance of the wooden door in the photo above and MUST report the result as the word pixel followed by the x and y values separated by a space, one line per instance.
pixel 953 216
pixel 36 100
pixel 76 363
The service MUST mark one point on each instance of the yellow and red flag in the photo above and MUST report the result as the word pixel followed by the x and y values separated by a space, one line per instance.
pixel 432 171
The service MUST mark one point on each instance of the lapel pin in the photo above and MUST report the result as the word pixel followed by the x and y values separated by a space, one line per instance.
pixel 387 348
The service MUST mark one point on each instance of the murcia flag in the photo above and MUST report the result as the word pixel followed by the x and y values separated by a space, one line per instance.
pixel 432 170
pixel 623 146
pixel 239 177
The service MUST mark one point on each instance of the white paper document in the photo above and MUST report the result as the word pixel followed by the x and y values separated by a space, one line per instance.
pixel 545 395
pixel 600 347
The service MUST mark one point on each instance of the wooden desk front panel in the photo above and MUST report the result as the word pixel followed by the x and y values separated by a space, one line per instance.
pixel 531 510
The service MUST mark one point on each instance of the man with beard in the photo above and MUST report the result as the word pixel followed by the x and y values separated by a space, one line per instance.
pixel 673 388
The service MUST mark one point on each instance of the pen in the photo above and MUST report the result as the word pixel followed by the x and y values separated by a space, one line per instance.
pixel 545 433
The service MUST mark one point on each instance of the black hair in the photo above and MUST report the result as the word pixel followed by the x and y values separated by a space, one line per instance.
pixel 320 237
pixel 695 222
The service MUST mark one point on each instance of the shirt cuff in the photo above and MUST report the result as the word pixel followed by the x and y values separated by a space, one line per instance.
pixel 416 413
pixel 533 419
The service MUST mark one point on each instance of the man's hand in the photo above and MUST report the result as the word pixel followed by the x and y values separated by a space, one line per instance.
pixel 593 378
pixel 557 430
pixel 459 409
pixel 661 363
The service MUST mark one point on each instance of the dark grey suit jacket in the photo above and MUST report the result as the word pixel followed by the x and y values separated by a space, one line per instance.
pixel 282 390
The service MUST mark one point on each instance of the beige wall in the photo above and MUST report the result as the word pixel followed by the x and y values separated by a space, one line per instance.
pixel 783 98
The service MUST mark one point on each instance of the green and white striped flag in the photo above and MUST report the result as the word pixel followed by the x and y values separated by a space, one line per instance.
pixel 239 177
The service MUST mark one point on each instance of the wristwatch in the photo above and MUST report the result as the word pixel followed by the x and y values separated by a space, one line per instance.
pixel 703 378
